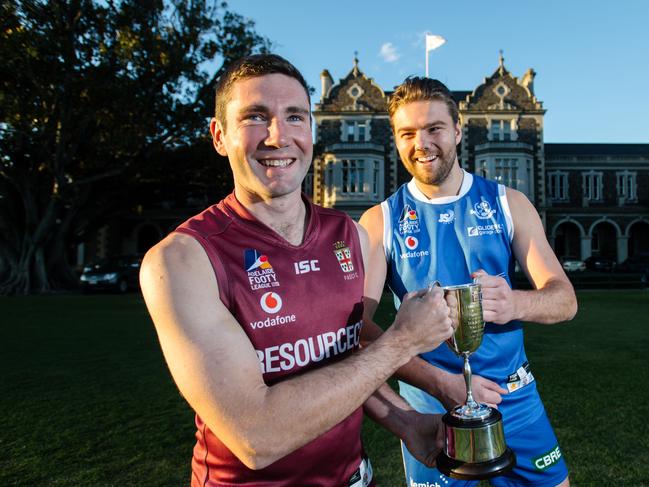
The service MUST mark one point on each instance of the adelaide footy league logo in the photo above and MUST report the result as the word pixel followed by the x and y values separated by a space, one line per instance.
pixel 271 302
pixel 408 221
pixel 411 242
pixel 483 210
pixel 344 256
pixel 261 274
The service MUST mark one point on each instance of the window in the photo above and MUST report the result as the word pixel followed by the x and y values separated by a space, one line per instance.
pixel 510 169
pixel 558 185
pixel 352 176
pixel 351 132
pixel 355 131
pixel 360 127
pixel 375 178
pixel 505 172
pixel 501 130
pixel 481 168
pixel 626 186
pixel 329 177
pixel 592 185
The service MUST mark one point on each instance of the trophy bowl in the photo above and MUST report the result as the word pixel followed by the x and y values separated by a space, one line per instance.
pixel 475 447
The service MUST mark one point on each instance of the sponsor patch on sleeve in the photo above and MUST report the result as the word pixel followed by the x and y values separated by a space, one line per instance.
pixel 520 378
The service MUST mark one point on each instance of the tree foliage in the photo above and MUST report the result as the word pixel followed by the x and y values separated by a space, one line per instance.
pixel 90 92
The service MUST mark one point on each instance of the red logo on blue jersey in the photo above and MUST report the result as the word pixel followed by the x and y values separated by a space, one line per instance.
pixel 411 242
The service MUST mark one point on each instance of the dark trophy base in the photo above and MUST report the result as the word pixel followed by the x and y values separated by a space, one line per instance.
pixel 457 469
pixel 475 446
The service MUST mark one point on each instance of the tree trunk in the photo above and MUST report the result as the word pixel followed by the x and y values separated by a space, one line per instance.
pixel 30 273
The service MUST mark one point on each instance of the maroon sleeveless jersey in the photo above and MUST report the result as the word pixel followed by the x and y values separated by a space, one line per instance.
pixel 301 307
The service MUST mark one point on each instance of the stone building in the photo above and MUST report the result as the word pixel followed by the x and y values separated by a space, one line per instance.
pixel 592 198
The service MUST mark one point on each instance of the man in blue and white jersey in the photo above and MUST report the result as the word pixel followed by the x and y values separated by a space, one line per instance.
pixel 451 226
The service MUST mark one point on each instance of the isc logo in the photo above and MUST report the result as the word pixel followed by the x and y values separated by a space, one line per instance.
pixel 305 266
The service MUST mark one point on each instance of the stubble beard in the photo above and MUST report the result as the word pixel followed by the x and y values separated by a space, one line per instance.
pixel 439 174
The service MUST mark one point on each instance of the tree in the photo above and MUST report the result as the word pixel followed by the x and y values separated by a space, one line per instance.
pixel 90 92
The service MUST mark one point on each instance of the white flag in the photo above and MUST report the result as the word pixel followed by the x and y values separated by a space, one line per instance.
pixel 433 42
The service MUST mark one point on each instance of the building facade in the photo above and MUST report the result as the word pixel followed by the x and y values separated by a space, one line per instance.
pixel 592 198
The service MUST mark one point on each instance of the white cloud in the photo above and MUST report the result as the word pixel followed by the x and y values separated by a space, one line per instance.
pixel 389 53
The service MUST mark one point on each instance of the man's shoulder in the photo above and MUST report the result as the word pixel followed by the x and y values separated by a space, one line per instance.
pixel 175 255
pixel 212 220
pixel 331 217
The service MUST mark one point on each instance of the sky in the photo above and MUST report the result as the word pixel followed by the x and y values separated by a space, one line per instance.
pixel 591 57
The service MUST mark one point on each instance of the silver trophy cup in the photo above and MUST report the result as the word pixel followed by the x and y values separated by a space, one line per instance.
pixel 475 442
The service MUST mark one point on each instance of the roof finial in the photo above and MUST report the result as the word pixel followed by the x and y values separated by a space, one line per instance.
pixel 501 61
pixel 355 62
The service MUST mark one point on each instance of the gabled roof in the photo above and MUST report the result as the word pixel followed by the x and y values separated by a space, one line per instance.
pixel 503 92
pixel 354 92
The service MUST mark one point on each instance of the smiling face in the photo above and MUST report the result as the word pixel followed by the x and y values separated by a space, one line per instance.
pixel 267 136
pixel 426 138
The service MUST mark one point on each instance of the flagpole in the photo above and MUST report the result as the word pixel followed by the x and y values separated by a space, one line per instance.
pixel 432 42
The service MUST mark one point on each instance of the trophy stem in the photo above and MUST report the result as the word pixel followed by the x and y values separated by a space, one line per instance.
pixel 470 402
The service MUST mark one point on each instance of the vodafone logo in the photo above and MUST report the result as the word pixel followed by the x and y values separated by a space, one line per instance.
pixel 412 242
pixel 270 302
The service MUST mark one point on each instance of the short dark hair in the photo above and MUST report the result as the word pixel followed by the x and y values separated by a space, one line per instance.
pixel 415 88
pixel 251 67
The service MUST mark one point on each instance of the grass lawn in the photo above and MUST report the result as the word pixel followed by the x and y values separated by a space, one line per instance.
pixel 86 399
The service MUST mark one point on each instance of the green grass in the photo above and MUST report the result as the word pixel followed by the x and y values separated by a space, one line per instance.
pixel 86 399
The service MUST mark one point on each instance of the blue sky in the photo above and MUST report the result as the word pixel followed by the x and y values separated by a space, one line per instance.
pixel 591 57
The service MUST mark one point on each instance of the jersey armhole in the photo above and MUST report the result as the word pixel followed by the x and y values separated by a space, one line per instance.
pixel 504 204
pixel 217 264
pixel 357 242
pixel 387 230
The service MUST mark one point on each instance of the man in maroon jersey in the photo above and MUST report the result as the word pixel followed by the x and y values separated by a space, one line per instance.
pixel 257 302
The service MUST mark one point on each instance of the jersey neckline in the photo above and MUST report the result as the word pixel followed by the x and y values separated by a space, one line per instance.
pixel 242 216
pixel 467 181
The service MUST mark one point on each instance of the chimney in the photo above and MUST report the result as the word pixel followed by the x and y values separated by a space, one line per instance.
pixel 528 80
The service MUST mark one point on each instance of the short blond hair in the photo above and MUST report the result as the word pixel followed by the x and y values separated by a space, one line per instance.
pixel 415 88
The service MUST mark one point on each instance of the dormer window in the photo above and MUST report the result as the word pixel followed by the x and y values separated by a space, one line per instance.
pixel 501 130
pixel 355 131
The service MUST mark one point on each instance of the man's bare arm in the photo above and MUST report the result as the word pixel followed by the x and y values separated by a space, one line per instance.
pixel 217 370
pixel 422 434
pixel 553 298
